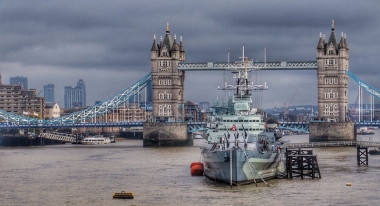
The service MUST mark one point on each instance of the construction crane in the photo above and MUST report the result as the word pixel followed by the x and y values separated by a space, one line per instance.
pixel 274 106
pixel 286 107
pixel 353 108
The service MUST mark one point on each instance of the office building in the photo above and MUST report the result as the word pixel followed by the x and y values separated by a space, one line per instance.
pixel 49 93
pixel 13 98
pixel 19 80
pixel 75 97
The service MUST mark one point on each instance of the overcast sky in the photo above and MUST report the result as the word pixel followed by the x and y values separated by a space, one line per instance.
pixel 107 43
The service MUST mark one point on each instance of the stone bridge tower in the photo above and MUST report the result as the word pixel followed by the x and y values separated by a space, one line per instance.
pixel 167 80
pixel 332 123
pixel 167 127
pixel 332 60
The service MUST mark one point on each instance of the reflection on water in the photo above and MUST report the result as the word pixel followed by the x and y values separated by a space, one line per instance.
pixel 90 174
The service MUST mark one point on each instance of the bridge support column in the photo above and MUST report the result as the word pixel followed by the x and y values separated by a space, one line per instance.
pixel 331 131
pixel 160 134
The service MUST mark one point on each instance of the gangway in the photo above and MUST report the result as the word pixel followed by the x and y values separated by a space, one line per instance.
pixel 57 136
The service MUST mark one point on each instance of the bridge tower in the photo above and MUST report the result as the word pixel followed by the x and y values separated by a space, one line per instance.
pixel 332 122
pixel 167 80
pixel 332 61
pixel 167 127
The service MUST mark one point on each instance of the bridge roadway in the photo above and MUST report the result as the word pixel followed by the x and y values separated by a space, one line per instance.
pixel 192 126
pixel 216 66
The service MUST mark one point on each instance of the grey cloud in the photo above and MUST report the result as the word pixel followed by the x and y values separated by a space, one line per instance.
pixel 110 41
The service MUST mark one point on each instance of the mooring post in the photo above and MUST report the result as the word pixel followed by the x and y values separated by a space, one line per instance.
pixel 362 155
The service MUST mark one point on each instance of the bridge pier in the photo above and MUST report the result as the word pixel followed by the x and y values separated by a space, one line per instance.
pixel 162 134
pixel 331 131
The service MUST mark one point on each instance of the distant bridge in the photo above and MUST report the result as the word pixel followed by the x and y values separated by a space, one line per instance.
pixel 192 126
pixel 107 106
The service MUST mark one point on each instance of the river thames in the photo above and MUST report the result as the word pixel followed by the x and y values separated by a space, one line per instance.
pixel 89 175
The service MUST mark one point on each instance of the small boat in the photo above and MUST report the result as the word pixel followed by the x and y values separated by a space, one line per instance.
pixel 123 195
pixel 373 127
pixel 375 151
pixel 96 139
pixel 366 132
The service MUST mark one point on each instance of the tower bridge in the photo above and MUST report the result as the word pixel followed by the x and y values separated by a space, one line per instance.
pixel 167 75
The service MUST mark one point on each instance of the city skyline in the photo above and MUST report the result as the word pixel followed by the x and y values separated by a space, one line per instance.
pixel 108 47
pixel 49 93
pixel 75 96
pixel 19 80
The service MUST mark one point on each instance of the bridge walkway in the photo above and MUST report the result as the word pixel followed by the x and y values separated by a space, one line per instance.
pixel 333 144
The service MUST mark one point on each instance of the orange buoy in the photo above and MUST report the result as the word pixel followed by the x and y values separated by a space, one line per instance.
pixel 196 163
pixel 196 170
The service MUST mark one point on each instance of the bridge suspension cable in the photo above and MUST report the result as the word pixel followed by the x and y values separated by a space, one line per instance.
pixel 88 113
pixel 361 83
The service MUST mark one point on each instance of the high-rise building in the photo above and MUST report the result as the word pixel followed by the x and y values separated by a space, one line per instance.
pixel 75 97
pixel 49 93
pixel 19 80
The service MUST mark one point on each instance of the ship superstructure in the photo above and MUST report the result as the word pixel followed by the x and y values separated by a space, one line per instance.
pixel 242 148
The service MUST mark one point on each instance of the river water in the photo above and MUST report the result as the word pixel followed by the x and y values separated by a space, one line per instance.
pixel 90 174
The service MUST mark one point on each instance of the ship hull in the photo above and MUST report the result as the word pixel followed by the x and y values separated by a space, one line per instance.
pixel 217 166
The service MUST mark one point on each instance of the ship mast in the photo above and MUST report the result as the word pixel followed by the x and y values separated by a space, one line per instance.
pixel 243 86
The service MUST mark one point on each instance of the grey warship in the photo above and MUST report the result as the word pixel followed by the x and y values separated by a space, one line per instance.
pixel 241 147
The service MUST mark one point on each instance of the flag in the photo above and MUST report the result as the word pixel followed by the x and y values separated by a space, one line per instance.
pixel 233 128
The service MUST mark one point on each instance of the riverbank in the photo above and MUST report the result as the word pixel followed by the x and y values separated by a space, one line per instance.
pixel 18 140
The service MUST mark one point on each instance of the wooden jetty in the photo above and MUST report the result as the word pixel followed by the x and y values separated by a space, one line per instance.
pixel 333 144
pixel 361 146
pixel 302 163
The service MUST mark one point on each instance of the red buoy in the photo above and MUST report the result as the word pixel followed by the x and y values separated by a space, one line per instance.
pixel 196 163
pixel 196 169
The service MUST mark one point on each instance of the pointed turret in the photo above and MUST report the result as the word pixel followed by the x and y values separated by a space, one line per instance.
pixel 345 42
pixel 168 42
pixel 154 46
pixel 341 43
pixel 321 44
pixel 181 49
pixel 175 45
pixel 154 49
pixel 175 50
pixel 332 39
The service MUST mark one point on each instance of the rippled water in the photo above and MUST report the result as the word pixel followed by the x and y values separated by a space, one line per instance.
pixel 89 175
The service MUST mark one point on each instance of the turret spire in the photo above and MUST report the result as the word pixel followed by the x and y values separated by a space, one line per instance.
pixel 332 26
pixel 167 28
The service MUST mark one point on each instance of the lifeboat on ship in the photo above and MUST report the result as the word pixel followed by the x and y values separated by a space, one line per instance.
pixel 196 169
